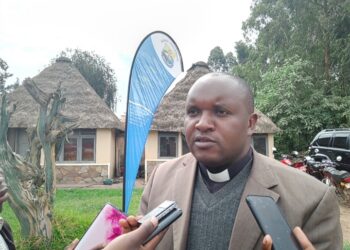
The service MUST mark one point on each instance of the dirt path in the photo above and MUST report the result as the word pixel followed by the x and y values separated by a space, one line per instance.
pixel 345 221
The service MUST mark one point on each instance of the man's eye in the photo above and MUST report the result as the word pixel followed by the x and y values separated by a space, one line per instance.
pixel 221 112
pixel 192 112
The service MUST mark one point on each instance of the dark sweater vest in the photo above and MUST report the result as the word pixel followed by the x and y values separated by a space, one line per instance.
pixel 213 214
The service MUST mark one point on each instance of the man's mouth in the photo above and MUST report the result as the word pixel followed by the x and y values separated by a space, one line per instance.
pixel 201 138
pixel 203 141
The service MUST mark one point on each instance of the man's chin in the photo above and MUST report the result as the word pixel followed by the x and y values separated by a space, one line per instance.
pixel 209 162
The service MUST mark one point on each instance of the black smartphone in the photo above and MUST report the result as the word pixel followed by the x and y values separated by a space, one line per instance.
pixel 271 221
pixel 166 213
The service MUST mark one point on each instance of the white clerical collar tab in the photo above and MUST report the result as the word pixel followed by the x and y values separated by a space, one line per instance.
pixel 219 177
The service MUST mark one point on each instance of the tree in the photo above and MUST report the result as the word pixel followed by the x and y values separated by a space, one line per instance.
pixel 295 56
pixel 248 66
pixel 32 186
pixel 3 74
pixel 300 110
pixel 230 61
pixel 3 77
pixel 313 30
pixel 285 96
pixel 219 62
pixel 242 51
pixel 97 72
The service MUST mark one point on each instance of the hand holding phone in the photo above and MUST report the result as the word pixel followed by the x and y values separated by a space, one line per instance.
pixel 106 225
pixel 134 239
pixel 272 222
pixel 166 213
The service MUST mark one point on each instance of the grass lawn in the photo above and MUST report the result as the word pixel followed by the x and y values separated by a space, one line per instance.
pixel 74 210
pixel 347 245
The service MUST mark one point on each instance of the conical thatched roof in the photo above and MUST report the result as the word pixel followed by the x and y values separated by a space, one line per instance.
pixel 82 102
pixel 171 112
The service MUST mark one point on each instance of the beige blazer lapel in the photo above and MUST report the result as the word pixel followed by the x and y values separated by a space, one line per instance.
pixel 185 179
pixel 246 232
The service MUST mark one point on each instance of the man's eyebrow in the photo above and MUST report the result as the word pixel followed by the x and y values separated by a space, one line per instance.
pixel 190 105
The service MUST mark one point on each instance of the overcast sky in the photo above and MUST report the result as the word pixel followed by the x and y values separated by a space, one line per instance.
pixel 32 32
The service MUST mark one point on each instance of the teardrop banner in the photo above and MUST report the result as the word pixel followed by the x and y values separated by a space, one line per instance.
pixel 157 63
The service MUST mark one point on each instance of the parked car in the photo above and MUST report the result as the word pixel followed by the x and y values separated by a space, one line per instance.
pixel 335 143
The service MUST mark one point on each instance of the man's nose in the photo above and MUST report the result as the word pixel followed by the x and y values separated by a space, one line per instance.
pixel 205 122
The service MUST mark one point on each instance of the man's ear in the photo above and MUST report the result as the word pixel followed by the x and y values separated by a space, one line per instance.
pixel 252 123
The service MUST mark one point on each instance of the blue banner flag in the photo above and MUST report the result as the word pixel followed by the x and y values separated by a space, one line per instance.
pixel 156 64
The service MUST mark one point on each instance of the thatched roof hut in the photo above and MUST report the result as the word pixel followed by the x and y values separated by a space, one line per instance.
pixel 171 112
pixel 82 102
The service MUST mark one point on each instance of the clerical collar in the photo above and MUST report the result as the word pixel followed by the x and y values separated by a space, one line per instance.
pixel 226 174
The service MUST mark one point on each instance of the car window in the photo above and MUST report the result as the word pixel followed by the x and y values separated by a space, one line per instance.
pixel 340 141
pixel 324 139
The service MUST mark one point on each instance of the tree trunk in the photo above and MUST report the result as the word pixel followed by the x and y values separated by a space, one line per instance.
pixel 30 199
pixel 327 61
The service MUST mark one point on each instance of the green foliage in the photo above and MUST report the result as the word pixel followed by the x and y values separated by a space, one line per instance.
pixel 4 74
pixel 242 51
pixel 291 98
pixel 283 95
pixel 249 66
pixel 316 31
pixel 74 211
pixel 296 58
pixel 230 60
pixel 219 62
pixel 346 245
pixel 97 72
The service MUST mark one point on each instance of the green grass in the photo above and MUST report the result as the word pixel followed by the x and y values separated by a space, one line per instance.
pixel 346 245
pixel 74 210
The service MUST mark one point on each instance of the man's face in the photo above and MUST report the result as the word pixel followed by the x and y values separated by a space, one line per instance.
pixel 218 125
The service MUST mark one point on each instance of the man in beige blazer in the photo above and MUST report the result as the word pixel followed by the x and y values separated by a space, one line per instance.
pixel 219 124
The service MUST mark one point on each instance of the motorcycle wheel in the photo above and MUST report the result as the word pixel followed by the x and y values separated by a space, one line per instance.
pixel 343 195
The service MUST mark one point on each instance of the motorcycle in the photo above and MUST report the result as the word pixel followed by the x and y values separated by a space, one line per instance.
pixel 316 164
pixel 293 160
pixel 340 179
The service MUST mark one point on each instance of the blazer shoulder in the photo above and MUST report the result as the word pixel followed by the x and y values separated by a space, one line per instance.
pixel 176 163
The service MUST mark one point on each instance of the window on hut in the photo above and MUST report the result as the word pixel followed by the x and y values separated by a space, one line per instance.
pixel 80 147
pixel 260 143
pixel 167 144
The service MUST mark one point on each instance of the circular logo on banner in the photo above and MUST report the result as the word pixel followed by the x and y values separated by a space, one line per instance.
pixel 168 54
